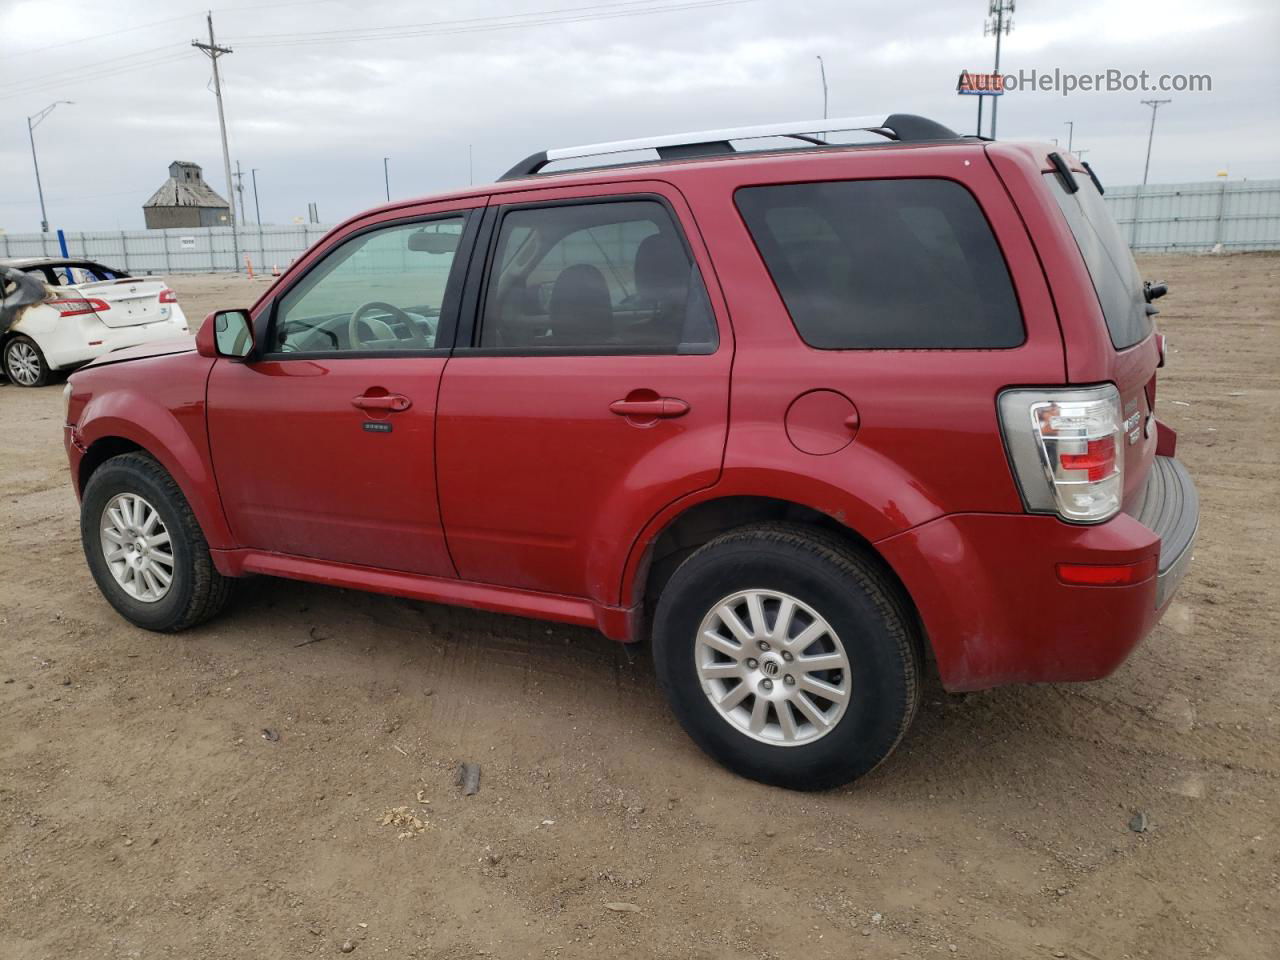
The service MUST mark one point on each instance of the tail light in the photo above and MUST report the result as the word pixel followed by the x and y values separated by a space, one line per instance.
pixel 79 308
pixel 1066 450
pixel 168 296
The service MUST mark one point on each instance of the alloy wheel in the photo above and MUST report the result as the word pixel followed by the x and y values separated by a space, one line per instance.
pixel 137 547
pixel 772 667
pixel 22 363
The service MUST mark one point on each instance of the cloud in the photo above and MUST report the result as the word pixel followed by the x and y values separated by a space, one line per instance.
pixel 316 119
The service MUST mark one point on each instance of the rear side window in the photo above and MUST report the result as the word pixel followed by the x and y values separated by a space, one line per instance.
pixel 600 277
pixel 884 264
pixel 1110 263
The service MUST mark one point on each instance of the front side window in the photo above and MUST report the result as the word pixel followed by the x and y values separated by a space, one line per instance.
pixel 884 264
pixel 381 290
pixel 611 277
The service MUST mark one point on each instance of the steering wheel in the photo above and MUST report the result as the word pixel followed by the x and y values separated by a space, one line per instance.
pixel 358 315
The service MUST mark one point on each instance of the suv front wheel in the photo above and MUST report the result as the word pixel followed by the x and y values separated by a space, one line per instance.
pixel 788 656
pixel 145 548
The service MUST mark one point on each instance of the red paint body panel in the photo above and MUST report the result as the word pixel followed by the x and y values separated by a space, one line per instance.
pixel 299 474
pixel 542 486
pixel 510 485
pixel 157 401
pixel 995 611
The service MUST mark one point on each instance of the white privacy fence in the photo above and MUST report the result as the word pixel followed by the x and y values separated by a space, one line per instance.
pixel 175 250
pixel 1241 215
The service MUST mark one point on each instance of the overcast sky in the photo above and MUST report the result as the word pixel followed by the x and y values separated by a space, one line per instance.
pixel 317 117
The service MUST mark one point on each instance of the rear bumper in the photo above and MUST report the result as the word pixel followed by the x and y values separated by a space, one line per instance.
pixel 1170 508
pixel 995 612
pixel 103 340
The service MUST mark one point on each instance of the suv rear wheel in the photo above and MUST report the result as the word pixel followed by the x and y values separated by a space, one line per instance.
pixel 788 656
pixel 145 548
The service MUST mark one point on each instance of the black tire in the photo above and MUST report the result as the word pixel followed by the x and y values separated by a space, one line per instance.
pixel 864 608
pixel 14 343
pixel 197 591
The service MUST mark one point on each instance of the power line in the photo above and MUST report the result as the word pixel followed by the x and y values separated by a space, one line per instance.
pixel 158 61
pixel 72 71
pixel 483 24
pixel 99 36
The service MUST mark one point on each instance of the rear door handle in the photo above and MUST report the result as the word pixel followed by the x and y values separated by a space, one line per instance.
pixel 664 407
pixel 393 402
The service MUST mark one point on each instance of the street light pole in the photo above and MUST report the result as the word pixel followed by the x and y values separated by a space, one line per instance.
pixel 257 211
pixel 822 67
pixel 386 177
pixel 1071 132
pixel 32 123
pixel 1154 105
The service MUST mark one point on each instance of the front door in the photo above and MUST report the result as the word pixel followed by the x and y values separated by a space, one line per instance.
pixel 592 393
pixel 323 442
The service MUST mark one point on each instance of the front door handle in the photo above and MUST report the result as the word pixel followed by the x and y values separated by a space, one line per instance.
pixel 393 402
pixel 665 407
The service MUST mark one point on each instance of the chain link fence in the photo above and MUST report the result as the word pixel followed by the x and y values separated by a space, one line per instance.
pixel 1231 216
pixel 174 250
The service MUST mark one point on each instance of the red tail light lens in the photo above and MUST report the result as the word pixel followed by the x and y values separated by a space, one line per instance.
pixel 1099 459
pixel 1065 448
pixel 79 308
pixel 1107 574
pixel 168 296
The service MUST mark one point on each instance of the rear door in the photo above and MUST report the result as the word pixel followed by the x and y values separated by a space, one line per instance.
pixel 591 391
pixel 323 443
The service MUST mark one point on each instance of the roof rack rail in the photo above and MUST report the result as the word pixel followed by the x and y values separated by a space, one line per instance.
pixel 905 127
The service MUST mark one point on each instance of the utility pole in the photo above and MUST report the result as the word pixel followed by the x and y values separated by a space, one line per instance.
pixel 471 168
pixel 32 123
pixel 240 190
pixel 213 52
pixel 1071 132
pixel 257 211
pixel 822 67
pixel 1154 105
pixel 386 177
pixel 1002 10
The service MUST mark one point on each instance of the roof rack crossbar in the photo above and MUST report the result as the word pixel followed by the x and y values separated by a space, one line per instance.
pixel 905 127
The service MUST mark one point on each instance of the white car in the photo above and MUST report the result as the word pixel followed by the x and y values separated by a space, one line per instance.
pixel 59 314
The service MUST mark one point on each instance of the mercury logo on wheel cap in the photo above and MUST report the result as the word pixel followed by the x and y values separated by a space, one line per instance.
pixel 770 668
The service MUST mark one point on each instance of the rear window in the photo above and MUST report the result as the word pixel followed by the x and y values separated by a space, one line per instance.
pixel 884 264
pixel 1111 267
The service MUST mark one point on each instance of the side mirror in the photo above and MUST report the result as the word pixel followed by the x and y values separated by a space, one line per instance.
pixel 226 333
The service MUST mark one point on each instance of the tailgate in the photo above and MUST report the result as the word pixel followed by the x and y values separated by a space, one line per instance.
pixel 130 302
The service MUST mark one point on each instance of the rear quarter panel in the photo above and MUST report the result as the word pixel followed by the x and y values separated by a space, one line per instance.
pixel 929 441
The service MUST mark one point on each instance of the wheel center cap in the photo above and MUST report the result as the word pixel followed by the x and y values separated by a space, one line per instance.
pixel 770 667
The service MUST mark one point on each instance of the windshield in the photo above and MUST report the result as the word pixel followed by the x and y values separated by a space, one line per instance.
pixel 1115 275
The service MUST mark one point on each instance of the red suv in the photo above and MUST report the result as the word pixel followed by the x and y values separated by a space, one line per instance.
pixel 803 417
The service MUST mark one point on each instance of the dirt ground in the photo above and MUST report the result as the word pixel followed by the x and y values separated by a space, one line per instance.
pixel 143 813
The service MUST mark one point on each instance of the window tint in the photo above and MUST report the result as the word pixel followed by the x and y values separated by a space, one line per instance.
pixel 890 264
pixel 595 277
pixel 381 290
pixel 1115 275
